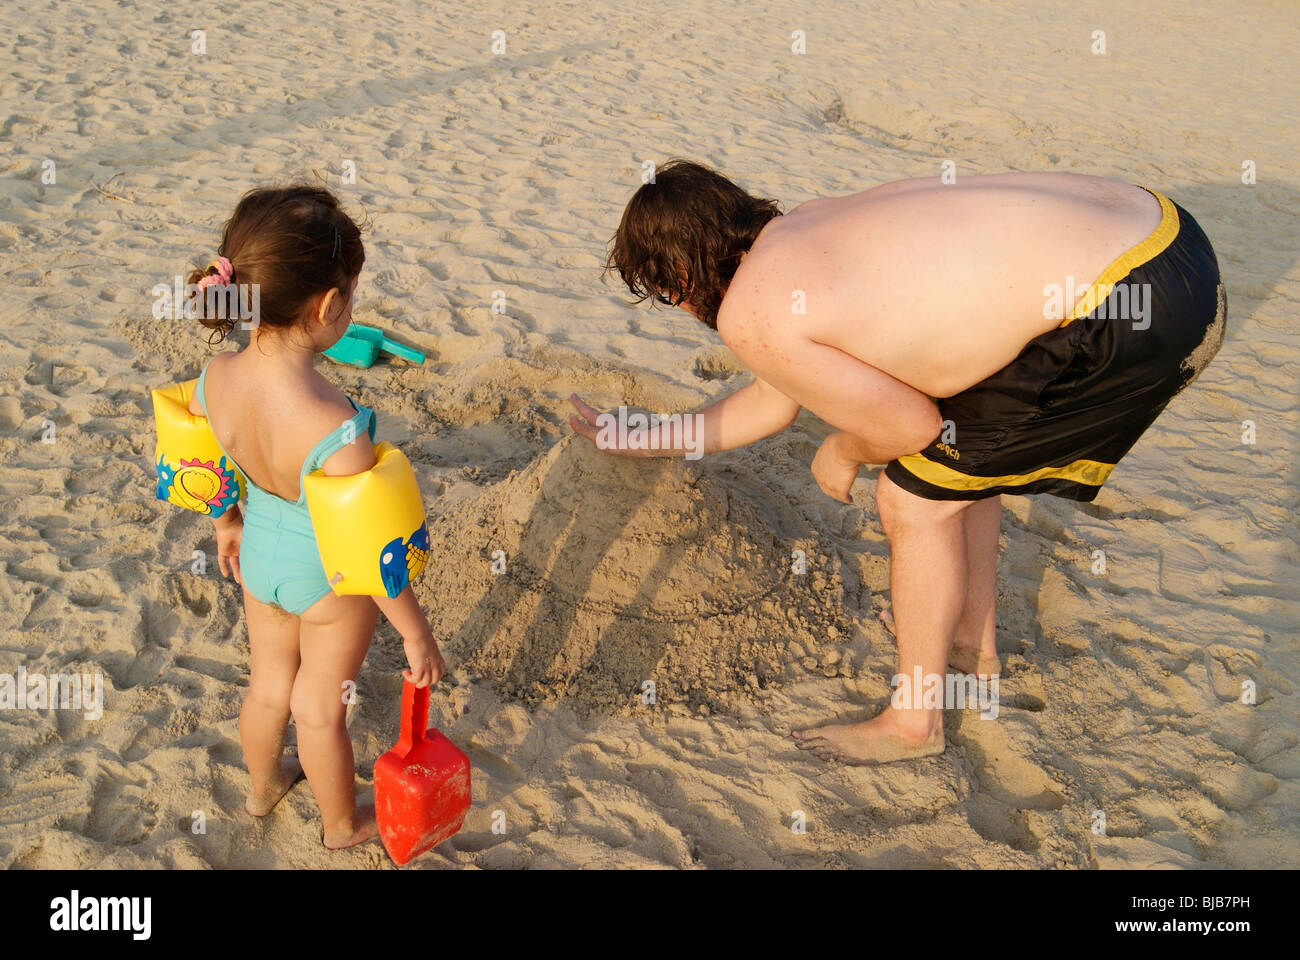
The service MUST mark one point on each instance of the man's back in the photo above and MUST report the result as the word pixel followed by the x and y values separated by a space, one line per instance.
pixel 940 285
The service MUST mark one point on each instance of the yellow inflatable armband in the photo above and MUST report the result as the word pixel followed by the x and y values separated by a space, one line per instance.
pixel 370 526
pixel 192 471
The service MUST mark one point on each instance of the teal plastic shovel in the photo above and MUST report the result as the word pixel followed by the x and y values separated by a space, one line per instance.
pixel 360 346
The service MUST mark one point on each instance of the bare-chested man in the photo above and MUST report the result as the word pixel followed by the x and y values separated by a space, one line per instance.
pixel 1001 334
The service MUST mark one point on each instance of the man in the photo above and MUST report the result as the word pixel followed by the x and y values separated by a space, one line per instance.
pixel 1013 334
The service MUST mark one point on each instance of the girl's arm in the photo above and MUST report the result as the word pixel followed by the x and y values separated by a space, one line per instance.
pixel 229 527
pixel 402 611
pixel 422 653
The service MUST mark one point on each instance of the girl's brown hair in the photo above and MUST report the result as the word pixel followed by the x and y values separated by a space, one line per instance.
pixel 693 217
pixel 294 243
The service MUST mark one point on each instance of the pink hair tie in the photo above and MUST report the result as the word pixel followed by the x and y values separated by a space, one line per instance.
pixel 224 272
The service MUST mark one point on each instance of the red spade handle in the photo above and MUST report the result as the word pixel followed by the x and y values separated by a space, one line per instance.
pixel 415 717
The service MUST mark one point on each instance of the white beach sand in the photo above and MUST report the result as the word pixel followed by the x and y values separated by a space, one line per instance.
pixel 481 173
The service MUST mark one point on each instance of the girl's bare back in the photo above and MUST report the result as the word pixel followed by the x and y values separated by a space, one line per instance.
pixel 269 415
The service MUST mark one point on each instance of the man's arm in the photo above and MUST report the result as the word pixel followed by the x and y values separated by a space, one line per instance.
pixel 753 412
pixel 885 417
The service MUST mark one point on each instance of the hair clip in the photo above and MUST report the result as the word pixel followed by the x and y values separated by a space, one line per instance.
pixel 224 272
pixel 338 242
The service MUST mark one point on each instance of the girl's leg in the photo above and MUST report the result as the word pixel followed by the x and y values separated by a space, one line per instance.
pixel 273 663
pixel 334 637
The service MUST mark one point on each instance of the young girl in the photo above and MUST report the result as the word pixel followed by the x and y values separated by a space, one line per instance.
pixel 278 419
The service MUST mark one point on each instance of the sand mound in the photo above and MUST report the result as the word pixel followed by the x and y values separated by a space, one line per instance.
pixel 621 571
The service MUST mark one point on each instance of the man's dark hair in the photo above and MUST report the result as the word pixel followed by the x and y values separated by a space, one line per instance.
pixel 692 216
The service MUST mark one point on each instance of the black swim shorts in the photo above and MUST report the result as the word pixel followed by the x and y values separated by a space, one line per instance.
pixel 1061 415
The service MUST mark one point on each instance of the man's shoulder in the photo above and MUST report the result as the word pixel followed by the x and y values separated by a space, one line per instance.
pixel 779 275
pixel 758 303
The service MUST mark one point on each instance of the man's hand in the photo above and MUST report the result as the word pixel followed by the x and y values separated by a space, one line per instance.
pixel 755 411
pixel 833 469
pixel 587 424
pixel 229 529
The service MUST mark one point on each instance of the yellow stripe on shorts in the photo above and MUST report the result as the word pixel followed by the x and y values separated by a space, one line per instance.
pixel 1134 257
pixel 1089 472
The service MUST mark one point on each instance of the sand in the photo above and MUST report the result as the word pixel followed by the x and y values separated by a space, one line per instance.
pixel 479 173
pixel 673 584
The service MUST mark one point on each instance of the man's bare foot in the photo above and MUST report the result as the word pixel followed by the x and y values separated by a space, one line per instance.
pixel 878 740
pixel 262 801
pixel 972 660
pixel 362 828
pixel 961 659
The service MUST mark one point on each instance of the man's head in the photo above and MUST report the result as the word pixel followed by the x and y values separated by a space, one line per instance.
pixel 682 237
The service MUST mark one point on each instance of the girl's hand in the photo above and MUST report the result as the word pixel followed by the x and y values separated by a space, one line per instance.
pixel 230 531
pixel 422 653
pixel 425 659
pixel 833 471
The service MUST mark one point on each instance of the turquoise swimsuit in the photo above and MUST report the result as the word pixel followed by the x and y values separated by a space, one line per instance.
pixel 278 558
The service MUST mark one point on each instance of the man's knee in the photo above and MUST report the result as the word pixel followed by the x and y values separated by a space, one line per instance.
pixel 900 511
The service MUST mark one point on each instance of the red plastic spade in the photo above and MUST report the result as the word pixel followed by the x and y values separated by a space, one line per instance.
pixel 421 785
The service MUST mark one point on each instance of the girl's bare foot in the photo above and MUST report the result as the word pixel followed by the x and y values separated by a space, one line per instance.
pixel 362 828
pixel 878 740
pixel 262 798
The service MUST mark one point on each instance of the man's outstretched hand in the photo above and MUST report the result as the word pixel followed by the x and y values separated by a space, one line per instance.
pixel 586 424
pixel 833 470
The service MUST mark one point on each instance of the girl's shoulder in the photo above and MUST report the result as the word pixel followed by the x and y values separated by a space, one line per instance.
pixel 326 402
pixel 340 450
pixel 199 399
pixel 327 408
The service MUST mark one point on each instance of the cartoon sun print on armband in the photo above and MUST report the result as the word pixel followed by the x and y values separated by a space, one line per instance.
pixel 199 485
pixel 401 561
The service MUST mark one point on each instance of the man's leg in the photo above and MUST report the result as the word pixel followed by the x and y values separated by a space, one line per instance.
pixel 927 578
pixel 974 646
pixel 975 643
